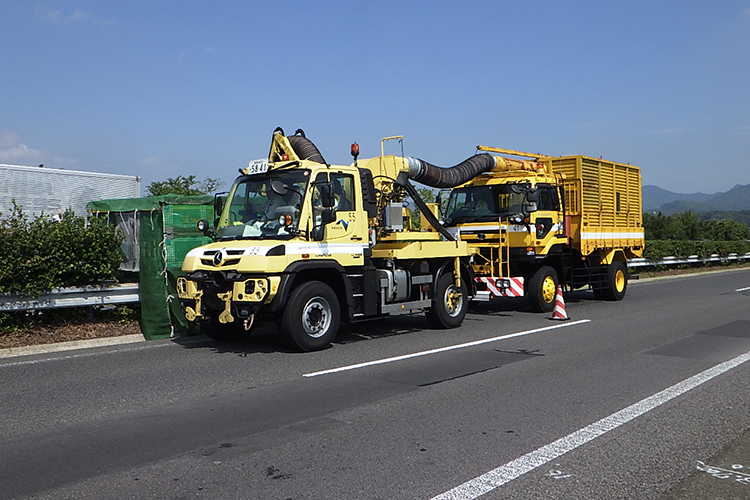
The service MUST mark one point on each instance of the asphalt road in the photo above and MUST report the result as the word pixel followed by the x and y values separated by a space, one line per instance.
pixel 645 398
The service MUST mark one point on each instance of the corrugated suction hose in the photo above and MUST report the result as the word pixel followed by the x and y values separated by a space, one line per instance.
pixel 305 148
pixel 446 177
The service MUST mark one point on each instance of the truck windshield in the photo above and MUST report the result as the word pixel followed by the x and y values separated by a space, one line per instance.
pixel 264 206
pixel 482 204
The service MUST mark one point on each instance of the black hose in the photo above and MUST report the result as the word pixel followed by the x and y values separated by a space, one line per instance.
pixel 440 177
pixel 429 216
pixel 304 147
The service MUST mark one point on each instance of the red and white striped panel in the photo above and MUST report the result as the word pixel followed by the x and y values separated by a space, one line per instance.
pixel 515 290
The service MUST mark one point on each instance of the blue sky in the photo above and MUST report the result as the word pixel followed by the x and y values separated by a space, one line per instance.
pixel 165 88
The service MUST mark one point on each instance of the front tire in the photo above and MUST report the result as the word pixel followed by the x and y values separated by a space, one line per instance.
pixel 542 289
pixel 450 303
pixel 311 318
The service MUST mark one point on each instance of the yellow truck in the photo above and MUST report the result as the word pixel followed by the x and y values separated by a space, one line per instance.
pixel 309 244
pixel 537 222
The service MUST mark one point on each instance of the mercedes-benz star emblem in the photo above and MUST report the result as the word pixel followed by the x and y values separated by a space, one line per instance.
pixel 218 257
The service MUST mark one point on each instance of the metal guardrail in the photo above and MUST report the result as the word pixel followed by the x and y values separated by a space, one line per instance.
pixel 128 293
pixel 693 259
pixel 125 293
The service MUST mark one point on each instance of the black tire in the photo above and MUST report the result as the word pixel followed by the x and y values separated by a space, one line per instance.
pixel 617 282
pixel 541 289
pixel 450 303
pixel 311 318
pixel 224 332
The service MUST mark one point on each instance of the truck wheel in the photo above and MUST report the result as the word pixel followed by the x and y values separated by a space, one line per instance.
pixel 617 282
pixel 450 303
pixel 542 289
pixel 310 320
pixel 223 332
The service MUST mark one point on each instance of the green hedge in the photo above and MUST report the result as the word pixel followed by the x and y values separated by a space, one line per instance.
pixel 42 254
pixel 657 249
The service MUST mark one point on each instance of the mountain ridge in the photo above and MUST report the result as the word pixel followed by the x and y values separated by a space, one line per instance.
pixel 657 199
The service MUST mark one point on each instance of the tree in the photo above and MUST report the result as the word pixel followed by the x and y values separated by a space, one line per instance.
pixel 727 230
pixel 686 226
pixel 183 186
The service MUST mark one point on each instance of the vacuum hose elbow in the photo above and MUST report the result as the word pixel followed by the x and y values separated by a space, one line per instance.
pixel 440 177
pixel 305 148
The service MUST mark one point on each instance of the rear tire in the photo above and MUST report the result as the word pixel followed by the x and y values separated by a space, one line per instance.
pixel 617 282
pixel 450 303
pixel 311 318
pixel 542 289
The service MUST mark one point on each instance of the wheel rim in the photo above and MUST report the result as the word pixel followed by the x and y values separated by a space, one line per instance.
pixel 548 290
pixel 316 317
pixel 453 301
pixel 620 280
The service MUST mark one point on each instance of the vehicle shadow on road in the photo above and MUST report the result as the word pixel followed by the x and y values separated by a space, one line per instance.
pixel 264 340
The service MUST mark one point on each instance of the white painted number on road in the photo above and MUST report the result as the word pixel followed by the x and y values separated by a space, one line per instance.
pixel 558 474
pixel 717 472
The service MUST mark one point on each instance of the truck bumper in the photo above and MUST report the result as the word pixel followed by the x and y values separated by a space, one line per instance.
pixel 490 287
pixel 204 297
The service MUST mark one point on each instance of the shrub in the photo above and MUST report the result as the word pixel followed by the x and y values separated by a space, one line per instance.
pixel 657 249
pixel 42 254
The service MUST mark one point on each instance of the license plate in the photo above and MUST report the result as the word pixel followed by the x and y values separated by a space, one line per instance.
pixel 257 166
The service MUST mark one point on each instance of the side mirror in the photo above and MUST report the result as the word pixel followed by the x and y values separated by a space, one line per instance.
pixel 532 198
pixel 219 200
pixel 327 216
pixel 326 195
pixel 279 187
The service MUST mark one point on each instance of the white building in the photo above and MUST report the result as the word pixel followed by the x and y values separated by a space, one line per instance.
pixel 49 190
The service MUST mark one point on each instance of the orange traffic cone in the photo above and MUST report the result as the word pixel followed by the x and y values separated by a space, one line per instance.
pixel 559 311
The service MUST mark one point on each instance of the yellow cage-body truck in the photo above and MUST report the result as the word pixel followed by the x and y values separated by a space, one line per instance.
pixel 535 223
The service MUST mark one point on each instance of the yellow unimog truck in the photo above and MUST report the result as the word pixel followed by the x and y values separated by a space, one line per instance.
pixel 535 223
pixel 310 244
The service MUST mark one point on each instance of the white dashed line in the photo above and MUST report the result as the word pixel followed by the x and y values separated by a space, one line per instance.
pixel 495 478
pixel 443 349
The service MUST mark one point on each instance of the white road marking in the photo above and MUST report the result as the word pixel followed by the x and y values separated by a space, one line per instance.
pixel 82 355
pixel 71 345
pixel 495 478
pixel 742 289
pixel 443 349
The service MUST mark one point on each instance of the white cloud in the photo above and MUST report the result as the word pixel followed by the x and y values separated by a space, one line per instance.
pixel 14 152
pixel 77 16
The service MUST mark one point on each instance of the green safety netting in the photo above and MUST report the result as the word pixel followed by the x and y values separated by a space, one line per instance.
pixel 159 231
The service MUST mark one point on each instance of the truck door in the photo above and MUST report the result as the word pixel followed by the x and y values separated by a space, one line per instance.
pixel 350 223
pixel 547 218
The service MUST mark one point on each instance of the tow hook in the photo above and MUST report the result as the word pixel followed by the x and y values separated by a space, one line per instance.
pixel 248 323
